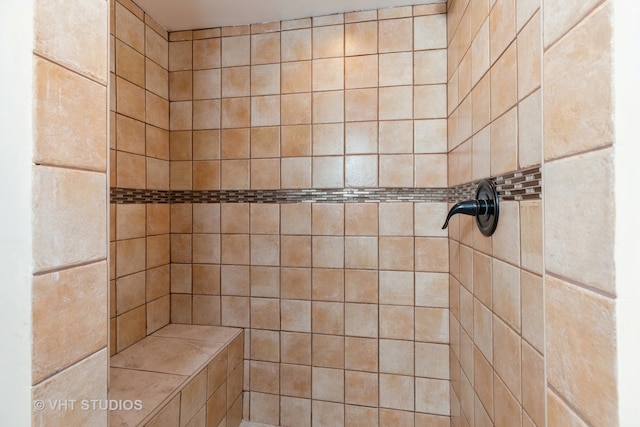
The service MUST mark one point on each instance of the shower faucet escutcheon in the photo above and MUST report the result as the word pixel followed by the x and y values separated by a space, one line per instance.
pixel 485 207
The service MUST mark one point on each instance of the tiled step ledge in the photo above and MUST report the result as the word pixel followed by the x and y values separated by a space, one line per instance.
pixel 180 375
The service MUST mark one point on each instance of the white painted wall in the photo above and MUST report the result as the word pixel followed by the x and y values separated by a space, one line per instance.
pixel 627 186
pixel 16 45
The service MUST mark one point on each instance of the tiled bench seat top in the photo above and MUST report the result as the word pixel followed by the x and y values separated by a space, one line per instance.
pixel 157 368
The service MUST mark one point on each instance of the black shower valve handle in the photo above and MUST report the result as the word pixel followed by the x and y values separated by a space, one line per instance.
pixel 473 207
pixel 484 207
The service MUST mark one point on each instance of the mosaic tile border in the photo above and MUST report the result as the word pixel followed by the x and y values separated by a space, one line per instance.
pixel 525 184
pixel 332 195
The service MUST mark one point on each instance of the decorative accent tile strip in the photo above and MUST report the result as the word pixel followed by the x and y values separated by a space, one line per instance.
pixel 525 184
pixel 520 185
pixel 332 195
pixel 139 196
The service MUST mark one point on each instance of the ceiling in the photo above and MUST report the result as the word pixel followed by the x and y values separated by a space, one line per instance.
pixel 177 15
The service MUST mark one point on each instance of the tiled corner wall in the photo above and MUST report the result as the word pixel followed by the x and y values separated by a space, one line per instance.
pixel 532 325
pixel 580 287
pixel 345 305
pixel 139 149
pixel 69 310
pixel 496 285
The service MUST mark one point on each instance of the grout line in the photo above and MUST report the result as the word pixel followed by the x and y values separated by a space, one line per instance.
pixel 569 405
pixel 570 29
pixel 61 269
pixel 583 286
pixel 77 72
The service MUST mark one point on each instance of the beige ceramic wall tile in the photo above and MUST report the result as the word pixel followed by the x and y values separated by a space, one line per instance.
pixel 361 71
pixel 361 388
pixel 531 235
pixel 430 32
pixel 504 142
pixel 430 136
pixel 533 384
pixel 129 64
pixel 430 170
pixel 206 145
pixel 158 313
pixel 180 55
pixel 559 414
pixel 180 145
pixel 193 397
pixel 265 79
pixel 265 408
pixel 130 134
pixel 576 343
pixel 481 103
pixel 483 329
pixel 157 48
pixel 507 411
pixel 295 411
pixel 569 243
pixel 130 328
pixel 507 357
pixel 502 25
pixel 265 48
pixel 63 118
pixel 130 170
pixel 130 292
pixel 432 396
pixel 577 117
pixel 525 10
pixel 180 85
pixel 532 310
pixel 74 33
pixel 361 38
pixel 560 17
pixel 480 56
pixel 329 413
pixel 66 228
pixel 130 99
pixel 236 51
pixel 328 41
pixel 86 379
pixel 59 341
pixel 328 351
pixel 395 35
pixel 530 130
pixel 206 53
pixel 156 110
pixel 397 392
pixel 529 57
pixel 296 45
pixel 507 237
pixel 429 101
pixel 504 81
pixel 157 141
pixel 170 414
pixel 431 254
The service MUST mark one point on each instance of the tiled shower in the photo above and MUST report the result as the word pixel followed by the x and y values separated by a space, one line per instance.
pixel 291 179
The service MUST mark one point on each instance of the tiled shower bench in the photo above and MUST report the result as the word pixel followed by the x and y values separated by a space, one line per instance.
pixel 181 375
